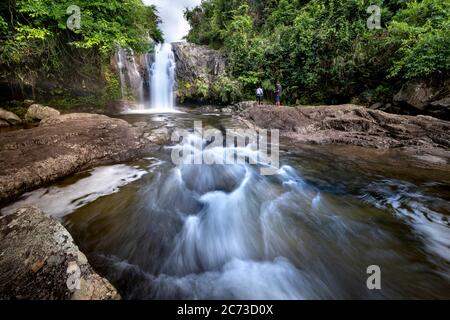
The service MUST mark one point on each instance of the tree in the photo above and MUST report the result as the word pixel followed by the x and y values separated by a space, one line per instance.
pixel 322 50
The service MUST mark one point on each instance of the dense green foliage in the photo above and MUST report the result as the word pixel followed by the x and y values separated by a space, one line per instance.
pixel 223 91
pixel 36 43
pixel 322 50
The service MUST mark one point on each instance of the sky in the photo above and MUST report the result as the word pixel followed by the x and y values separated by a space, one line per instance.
pixel 174 26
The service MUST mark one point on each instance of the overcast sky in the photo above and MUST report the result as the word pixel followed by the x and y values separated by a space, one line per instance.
pixel 174 26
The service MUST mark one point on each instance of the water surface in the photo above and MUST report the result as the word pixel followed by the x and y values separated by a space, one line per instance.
pixel 160 231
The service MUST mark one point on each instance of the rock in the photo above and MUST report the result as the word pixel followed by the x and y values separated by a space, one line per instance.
pixel 242 106
pixel 376 106
pixel 28 103
pixel 4 124
pixel 160 136
pixel 353 125
pixel 40 112
pixel 443 103
pixel 440 108
pixel 62 146
pixel 428 97
pixel 196 63
pixel 39 261
pixel 9 117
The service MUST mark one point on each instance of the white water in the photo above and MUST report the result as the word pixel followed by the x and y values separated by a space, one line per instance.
pixel 163 78
pixel 160 87
pixel 226 232
pixel 61 201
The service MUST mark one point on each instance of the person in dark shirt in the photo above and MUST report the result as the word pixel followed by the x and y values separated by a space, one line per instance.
pixel 278 93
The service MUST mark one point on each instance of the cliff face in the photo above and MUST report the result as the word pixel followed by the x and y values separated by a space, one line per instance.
pixel 198 62
pixel 198 68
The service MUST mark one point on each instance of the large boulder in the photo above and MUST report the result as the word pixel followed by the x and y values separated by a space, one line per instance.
pixel 40 112
pixel 158 136
pixel 9 117
pixel 4 124
pixel 28 103
pixel 39 261
pixel 427 97
pixel 353 125
pixel 62 146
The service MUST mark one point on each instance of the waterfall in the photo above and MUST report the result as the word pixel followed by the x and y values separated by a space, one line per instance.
pixel 131 81
pixel 153 88
pixel 121 66
pixel 163 78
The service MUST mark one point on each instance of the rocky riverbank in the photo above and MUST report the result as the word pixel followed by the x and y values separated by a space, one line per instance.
pixel 38 258
pixel 352 125
pixel 66 144
pixel 39 261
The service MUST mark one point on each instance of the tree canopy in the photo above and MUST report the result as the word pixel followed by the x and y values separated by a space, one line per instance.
pixel 35 38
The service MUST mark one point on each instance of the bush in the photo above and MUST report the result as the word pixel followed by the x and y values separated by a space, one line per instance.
pixel 226 91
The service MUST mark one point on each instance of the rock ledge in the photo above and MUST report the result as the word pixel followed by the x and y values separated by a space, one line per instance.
pixel 39 261
pixel 64 145
pixel 352 125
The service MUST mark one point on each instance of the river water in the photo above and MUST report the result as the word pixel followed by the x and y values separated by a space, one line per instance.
pixel 160 231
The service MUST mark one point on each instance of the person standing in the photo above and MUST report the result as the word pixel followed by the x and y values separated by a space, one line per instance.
pixel 278 93
pixel 259 95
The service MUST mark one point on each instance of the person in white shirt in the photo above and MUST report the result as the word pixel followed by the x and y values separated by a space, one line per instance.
pixel 259 95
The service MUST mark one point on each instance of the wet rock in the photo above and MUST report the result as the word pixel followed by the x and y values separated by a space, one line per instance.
pixel 238 107
pixel 427 97
pixel 28 103
pixel 194 64
pixel 62 146
pixel 4 124
pixel 352 125
pixel 160 136
pixel 9 117
pixel 242 106
pixel 40 112
pixel 197 62
pixel 376 106
pixel 39 261
pixel 441 108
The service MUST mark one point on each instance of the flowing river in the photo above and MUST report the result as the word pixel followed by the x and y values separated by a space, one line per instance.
pixel 161 231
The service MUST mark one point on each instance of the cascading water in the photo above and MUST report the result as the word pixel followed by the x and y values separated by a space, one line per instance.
pixel 163 78
pixel 131 81
pixel 160 230
pixel 153 88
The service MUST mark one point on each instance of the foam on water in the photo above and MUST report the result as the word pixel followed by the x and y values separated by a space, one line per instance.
pixel 61 201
